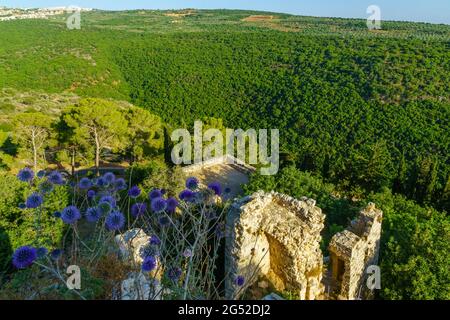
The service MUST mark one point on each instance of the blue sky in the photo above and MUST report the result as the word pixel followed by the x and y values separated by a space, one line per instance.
pixel 435 11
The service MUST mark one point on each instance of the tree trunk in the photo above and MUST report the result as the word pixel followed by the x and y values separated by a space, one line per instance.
pixel 73 162
pixel 97 154
pixel 33 142
pixel 97 161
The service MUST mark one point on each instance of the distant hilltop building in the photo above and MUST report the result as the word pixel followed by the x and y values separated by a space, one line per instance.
pixel 7 14
pixel 64 9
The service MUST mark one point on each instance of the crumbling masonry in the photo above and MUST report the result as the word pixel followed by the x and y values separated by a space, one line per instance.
pixel 353 251
pixel 274 240
pixel 275 237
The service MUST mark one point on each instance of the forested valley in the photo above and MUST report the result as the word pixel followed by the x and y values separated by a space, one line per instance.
pixel 363 115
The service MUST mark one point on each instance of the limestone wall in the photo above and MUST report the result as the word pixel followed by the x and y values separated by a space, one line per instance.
pixel 276 237
pixel 353 250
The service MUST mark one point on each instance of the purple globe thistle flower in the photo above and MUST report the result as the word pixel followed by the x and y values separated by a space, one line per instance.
pixel 187 253
pixel 109 177
pixel 134 192
pixel 85 183
pixel 115 221
pixel 24 257
pixel 55 177
pixel 149 264
pixel 108 199
pixel 164 221
pixel 56 254
pixel 216 187
pixel 46 187
pixel 192 183
pixel 174 273
pixel 148 251
pixel 93 214
pixel 155 193
pixel 57 214
pixel 34 201
pixel 91 193
pixel 138 209
pixel 172 205
pixel 70 215
pixel 154 240
pixel 104 207
pixel 187 195
pixel 101 182
pixel 158 205
pixel 41 174
pixel 25 175
pixel 239 281
pixel 22 206
pixel 120 184
pixel 41 252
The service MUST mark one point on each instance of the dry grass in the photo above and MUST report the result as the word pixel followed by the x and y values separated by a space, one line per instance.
pixel 180 14
pixel 257 18
pixel 113 270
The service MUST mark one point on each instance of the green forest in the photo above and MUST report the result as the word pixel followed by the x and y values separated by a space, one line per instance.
pixel 363 115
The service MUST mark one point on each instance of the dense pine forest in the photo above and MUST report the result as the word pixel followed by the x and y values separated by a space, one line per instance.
pixel 363 115
pixel 364 110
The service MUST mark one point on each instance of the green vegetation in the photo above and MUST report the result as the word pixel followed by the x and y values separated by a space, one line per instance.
pixel 363 109
pixel 17 227
pixel 363 115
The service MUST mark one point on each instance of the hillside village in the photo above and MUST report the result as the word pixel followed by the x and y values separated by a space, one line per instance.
pixel 7 14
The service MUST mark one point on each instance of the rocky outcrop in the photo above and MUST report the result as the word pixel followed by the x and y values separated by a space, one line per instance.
pixel 275 237
pixel 139 286
pixel 136 287
pixel 132 245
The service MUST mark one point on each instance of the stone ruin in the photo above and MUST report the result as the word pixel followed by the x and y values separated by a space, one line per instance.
pixel 352 251
pixel 273 241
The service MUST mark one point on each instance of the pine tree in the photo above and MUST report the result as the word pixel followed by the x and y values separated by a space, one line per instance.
pixel 426 179
pixel 98 122
pixel 400 180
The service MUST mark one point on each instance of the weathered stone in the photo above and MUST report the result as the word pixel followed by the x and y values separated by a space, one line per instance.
pixel 132 245
pixel 272 296
pixel 136 287
pixel 353 250
pixel 263 284
pixel 278 237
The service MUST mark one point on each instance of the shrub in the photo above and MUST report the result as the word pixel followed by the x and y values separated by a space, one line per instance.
pixel 18 226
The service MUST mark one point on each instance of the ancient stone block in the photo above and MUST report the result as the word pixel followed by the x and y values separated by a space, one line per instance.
pixel 275 237
pixel 132 245
pixel 353 250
